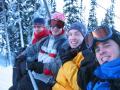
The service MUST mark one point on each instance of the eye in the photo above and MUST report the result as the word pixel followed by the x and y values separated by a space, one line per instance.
pixel 97 49
pixel 77 34
pixel 107 45
pixel 69 34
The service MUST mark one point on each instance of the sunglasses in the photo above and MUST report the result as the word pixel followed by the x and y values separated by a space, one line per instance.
pixel 56 23
pixel 101 34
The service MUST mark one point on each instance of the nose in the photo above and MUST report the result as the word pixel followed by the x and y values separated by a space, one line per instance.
pixel 36 29
pixel 72 37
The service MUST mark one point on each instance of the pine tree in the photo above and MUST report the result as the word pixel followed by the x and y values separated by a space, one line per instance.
pixel 4 40
pixel 71 10
pixel 92 20
pixel 19 16
pixel 109 16
pixel 52 5
pixel 2 28
pixel 23 14
pixel 81 11
pixel 2 31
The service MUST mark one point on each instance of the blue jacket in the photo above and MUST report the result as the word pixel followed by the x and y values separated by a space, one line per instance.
pixel 106 72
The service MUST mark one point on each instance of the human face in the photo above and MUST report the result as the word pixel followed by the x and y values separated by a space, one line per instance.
pixel 75 38
pixel 56 31
pixel 38 28
pixel 107 51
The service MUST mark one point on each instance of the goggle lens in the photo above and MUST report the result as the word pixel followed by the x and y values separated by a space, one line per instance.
pixel 56 23
pixel 99 34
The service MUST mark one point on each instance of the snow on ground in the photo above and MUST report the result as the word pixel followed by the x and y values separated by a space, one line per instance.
pixel 5 77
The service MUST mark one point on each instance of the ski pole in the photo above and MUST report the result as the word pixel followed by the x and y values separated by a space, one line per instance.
pixel 32 79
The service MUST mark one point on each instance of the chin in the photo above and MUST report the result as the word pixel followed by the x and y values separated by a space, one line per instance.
pixel 73 47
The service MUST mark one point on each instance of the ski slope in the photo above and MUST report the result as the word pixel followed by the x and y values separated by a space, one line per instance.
pixel 5 77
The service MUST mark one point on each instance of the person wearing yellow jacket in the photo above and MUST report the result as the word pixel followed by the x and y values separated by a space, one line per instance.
pixel 71 57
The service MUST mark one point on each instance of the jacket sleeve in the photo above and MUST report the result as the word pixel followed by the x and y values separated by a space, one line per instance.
pixel 34 48
pixel 54 65
pixel 67 77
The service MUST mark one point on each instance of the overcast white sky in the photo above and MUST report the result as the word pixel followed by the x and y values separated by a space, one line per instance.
pixel 100 11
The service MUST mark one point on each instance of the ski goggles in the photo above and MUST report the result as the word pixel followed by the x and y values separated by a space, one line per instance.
pixel 101 34
pixel 56 23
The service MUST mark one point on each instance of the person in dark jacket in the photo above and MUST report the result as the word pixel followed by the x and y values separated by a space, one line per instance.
pixel 106 46
pixel 45 70
pixel 19 69
pixel 72 56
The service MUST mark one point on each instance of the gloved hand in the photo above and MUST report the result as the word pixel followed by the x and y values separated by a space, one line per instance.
pixel 69 54
pixel 36 66
pixel 20 59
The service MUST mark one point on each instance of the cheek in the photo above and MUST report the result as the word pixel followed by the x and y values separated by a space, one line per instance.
pixel 69 40
pixel 97 56
pixel 80 40
pixel 115 52
pixel 38 29
pixel 98 59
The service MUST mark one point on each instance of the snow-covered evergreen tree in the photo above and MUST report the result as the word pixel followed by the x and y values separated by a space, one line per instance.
pixel 81 11
pixel 16 25
pixel 52 5
pixel 22 14
pixel 109 16
pixel 71 10
pixel 4 38
pixel 2 31
pixel 92 20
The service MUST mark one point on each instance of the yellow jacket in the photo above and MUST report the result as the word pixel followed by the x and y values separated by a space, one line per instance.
pixel 67 74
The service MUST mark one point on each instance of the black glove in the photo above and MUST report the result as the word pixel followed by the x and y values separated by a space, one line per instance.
pixel 68 54
pixel 36 66
pixel 20 59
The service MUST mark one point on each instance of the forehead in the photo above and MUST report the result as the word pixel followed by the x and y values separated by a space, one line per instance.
pixel 110 41
pixel 38 24
pixel 74 31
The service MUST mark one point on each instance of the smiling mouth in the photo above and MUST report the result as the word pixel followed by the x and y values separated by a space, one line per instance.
pixel 105 58
pixel 72 42
pixel 105 62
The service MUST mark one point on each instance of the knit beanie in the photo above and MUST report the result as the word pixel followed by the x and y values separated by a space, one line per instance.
pixel 79 26
pixel 58 16
pixel 39 21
